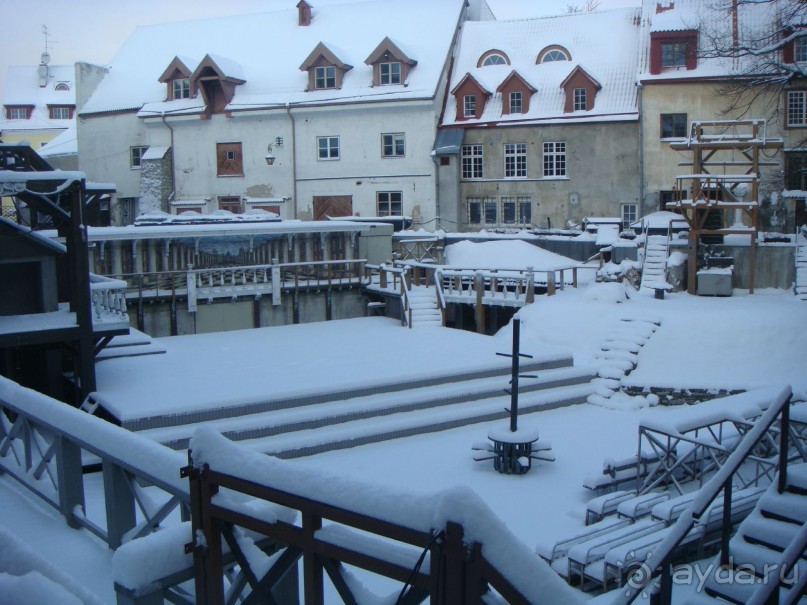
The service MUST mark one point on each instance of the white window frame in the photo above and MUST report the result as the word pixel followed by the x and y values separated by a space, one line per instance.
pixel 515 160
pixel 797 108
pixel 494 59
pixel 389 73
pixel 516 102
pixel 469 106
pixel 393 145
pixel 554 165
pixel 473 162
pixel 554 55
pixel 60 113
pixel 18 113
pixel 630 214
pixel 800 49
pixel 386 201
pixel 331 146
pixel 135 156
pixel 325 77
pixel 580 99
pixel 181 88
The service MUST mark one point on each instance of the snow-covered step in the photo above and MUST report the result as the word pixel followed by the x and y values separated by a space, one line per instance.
pixel 276 422
pixel 655 261
pixel 361 432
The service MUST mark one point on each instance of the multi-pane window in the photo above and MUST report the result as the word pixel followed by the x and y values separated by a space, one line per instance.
pixel 482 211
pixel 229 159
pixel 516 105
pixel 393 145
pixel 673 125
pixel 515 160
pixel 325 77
pixel 517 209
pixel 469 106
pixel 580 99
pixel 796 171
pixel 389 73
pixel 59 113
pixel 182 88
pixel 389 203
pixel 554 55
pixel 800 49
pixel 494 60
pixel 231 203
pixel 472 164
pixel 135 155
pixel 674 53
pixel 328 148
pixel 796 115
pixel 629 215
pixel 18 113
pixel 666 197
pixel 555 158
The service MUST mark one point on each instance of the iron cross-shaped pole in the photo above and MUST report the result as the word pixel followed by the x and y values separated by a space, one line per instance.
pixel 513 390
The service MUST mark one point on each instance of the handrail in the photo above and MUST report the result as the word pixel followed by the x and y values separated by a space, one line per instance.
pixel 406 307
pixel 774 575
pixel 659 562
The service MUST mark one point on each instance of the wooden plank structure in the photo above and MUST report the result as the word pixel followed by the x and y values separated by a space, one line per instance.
pixel 705 192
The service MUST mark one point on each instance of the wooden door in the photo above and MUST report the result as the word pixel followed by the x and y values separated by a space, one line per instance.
pixel 332 205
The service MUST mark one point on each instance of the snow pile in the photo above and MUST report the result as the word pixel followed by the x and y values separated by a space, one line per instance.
pixel 610 292
pixel 28 579
pixel 420 511
pixel 138 564
pixel 512 254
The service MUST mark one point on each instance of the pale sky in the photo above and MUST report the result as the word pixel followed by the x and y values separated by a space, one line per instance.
pixel 93 30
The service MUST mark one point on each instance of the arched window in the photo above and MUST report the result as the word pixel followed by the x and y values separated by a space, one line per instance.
pixel 493 57
pixel 62 86
pixel 553 53
pixel 494 60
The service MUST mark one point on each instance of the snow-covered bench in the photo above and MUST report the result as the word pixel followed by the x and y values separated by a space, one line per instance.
pixel 640 506
pixel 618 472
pixel 555 554
pixel 600 507
pixel 586 556
pixel 669 510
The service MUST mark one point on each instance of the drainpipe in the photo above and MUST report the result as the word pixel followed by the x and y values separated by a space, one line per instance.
pixel 293 158
pixel 173 165
pixel 641 156
pixel 436 161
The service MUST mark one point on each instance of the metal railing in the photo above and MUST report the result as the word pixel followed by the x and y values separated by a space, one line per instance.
pixel 657 570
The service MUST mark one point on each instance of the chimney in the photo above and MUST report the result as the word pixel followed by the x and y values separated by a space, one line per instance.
pixel 661 9
pixel 42 70
pixel 304 17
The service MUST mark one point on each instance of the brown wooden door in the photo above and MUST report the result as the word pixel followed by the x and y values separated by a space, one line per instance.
pixel 332 205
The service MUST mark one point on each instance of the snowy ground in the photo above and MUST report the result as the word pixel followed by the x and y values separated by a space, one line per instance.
pixel 737 342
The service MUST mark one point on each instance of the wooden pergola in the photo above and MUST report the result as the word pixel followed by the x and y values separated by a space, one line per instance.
pixel 705 192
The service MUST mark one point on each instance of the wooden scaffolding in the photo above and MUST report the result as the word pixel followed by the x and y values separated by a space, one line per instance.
pixel 726 159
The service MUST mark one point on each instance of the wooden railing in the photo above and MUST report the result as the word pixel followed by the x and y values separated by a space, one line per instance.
pixel 415 542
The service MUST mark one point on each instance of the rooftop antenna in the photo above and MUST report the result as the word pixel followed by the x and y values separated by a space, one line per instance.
pixel 42 71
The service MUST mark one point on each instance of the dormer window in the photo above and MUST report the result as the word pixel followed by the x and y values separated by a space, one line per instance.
pixel 325 77
pixel 325 70
pixel 800 49
pixel 389 73
pixel 516 93
pixel 581 90
pixel 62 87
pixel 580 98
pixel 390 64
pixel 216 78
pixel 553 53
pixel 469 106
pixel 18 112
pixel 471 98
pixel 673 50
pixel 493 57
pixel 181 88
pixel 60 112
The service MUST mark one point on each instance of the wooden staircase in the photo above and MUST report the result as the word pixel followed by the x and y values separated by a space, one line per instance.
pixel 654 267
pixel 423 303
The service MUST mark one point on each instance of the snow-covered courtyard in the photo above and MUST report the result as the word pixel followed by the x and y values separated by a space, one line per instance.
pixel 741 342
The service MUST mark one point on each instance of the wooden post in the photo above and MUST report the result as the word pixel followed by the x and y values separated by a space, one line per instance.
pixel 550 283
pixel 692 262
pixel 454 553
pixel 70 479
pixel 784 430
pixel 479 289
pixel 312 566
pixel 120 506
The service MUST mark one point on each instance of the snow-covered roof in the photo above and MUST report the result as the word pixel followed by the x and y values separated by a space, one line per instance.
pixel 609 60
pixel 266 51
pixel 22 89
pixel 65 143
pixel 712 19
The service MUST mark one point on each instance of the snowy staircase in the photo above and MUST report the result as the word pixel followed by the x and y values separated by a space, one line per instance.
pixel 800 287
pixel 654 269
pixel 761 539
pixel 423 303
pixel 308 425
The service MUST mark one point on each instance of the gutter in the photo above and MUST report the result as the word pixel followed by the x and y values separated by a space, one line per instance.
pixel 641 156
